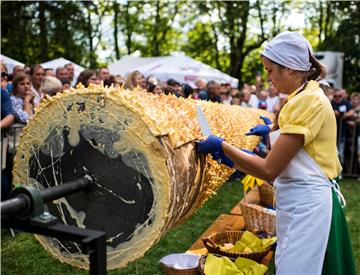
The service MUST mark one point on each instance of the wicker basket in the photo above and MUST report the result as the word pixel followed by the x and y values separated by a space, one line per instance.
pixel 189 263
pixel 266 194
pixel 173 271
pixel 202 262
pixel 213 242
pixel 256 217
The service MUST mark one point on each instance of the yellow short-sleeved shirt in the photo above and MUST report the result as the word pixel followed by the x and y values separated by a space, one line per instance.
pixel 310 113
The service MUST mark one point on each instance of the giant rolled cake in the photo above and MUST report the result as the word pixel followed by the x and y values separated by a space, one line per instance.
pixel 141 150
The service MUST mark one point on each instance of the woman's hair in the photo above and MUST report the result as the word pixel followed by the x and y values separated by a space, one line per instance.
pixel 188 90
pixel 84 77
pixel 110 81
pixel 317 70
pixel 355 94
pixel 19 77
pixel 129 83
pixel 150 87
pixel 50 85
pixel 169 90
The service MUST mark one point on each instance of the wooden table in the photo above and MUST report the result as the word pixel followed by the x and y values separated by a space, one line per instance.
pixel 224 222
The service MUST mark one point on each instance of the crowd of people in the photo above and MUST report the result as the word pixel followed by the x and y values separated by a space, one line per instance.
pixel 24 88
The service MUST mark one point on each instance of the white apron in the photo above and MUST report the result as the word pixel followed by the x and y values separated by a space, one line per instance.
pixel 303 215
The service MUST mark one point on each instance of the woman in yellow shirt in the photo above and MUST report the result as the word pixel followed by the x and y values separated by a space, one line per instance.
pixel 311 228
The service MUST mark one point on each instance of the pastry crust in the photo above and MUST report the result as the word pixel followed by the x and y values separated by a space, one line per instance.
pixel 162 128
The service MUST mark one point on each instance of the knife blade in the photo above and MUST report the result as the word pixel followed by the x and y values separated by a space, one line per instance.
pixel 204 125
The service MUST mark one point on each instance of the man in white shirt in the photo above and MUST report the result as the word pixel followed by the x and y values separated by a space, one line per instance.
pixel 70 72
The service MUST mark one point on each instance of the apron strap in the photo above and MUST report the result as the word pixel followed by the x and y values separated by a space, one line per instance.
pixel 335 186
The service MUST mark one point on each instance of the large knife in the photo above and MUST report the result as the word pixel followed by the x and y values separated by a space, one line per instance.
pixel 204 125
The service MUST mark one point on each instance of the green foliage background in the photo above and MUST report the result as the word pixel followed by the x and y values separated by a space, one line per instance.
pixel 226 35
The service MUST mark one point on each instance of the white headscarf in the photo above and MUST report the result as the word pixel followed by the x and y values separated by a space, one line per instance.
pixel 289 49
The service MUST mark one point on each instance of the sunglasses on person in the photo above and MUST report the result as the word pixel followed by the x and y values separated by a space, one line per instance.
pixel 337 96
pixel 3 74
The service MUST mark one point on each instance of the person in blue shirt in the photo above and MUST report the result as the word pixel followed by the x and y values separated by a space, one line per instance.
pixel 7 119
pixel 7 113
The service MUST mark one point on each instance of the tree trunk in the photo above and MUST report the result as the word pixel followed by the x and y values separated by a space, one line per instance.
pixel 239 73
pixel 320 21
pixel 155 43
pixel 217 56
pixel 116 30
pixel 327 20
pixel 43 32
pixel 236 55
pixel 91 42
pixel 128 28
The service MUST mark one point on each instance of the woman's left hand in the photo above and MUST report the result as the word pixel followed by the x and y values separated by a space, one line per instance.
pixel 259 130
pixel 266 120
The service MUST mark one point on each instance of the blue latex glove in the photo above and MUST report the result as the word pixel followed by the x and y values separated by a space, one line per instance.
pixel 259 130
pixel 266 120
pixel 213 146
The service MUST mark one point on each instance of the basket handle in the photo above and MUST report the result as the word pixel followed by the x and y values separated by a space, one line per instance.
pixel 209 244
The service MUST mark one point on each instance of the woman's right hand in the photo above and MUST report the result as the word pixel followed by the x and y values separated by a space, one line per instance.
pixel 29 97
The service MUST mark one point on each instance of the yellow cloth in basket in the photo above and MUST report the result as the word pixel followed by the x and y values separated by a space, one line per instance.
pixel 224 266
pixel 250 181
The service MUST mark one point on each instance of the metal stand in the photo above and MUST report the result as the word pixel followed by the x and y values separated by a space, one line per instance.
pixel 25 211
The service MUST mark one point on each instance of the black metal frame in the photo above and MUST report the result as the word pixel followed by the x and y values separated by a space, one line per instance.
pixel 92 242
pixel 25 211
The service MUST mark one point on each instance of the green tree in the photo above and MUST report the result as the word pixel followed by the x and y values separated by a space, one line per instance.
pixel 127 24
pixel 116 10
pixel 159 35
pixel 94 14
pixel 66 31
pixel 16 40
pixel 33 32
pixel 202 45
pixel 338 25
pixel 229 36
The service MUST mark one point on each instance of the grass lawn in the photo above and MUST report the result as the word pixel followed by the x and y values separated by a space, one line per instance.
pixel 23 254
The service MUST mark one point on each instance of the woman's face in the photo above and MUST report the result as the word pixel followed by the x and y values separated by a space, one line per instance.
pixel 92 79
pixel 23 87
pixel 139 80
pixel 279 77
pixel 355 101
pixel 158 90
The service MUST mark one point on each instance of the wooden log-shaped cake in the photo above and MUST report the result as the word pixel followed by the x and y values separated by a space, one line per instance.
pixel 140 148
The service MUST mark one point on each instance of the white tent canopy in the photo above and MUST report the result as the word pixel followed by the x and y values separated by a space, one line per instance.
pixel 10 63
pixel 180 67
pixel 129 63
pixel 60 62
